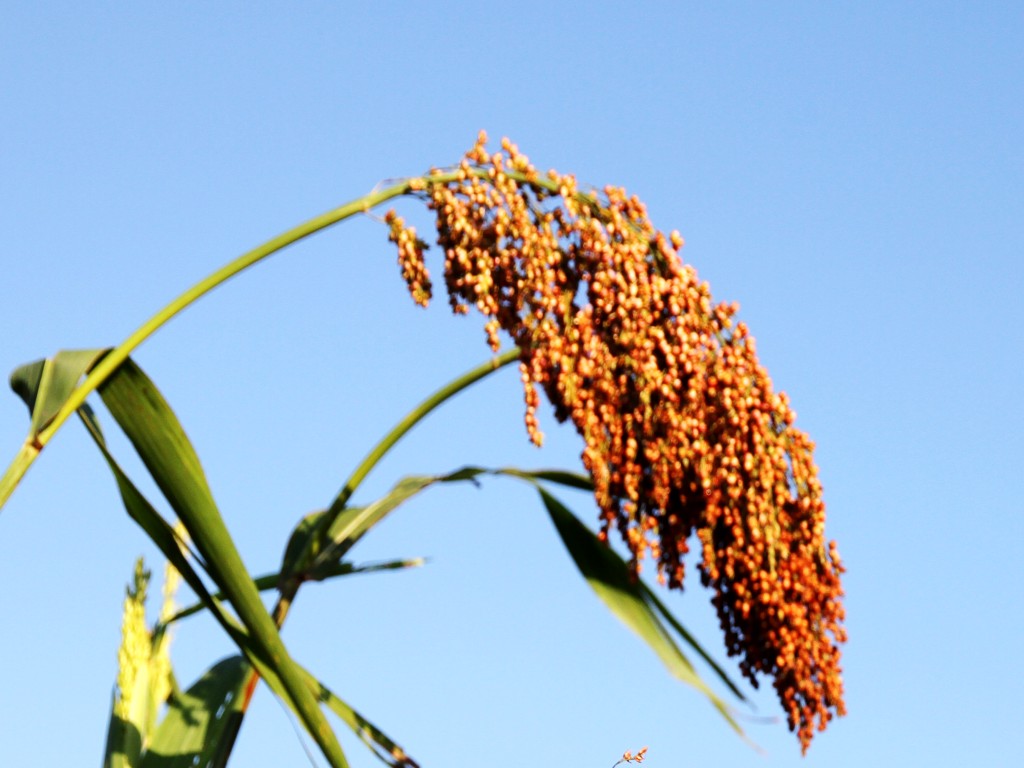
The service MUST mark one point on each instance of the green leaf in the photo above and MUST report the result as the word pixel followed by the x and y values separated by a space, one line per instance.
pixel 610 577
pixel 142 512
pixel 353 522
pixel 375 739
pixel 124 742
pixel 303 546
pixel 583 482
pixel 161 443
pixel 153 429
pixel 124 739
pixel 652 599
pixel 559 476
pixel 162 534
pixel 201 724
pixel 44 385
pixel 270 581
pixel 26 380
pixel 312 549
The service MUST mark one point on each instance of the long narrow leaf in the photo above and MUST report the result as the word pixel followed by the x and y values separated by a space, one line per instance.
pixel 652 599
pixel 313 548
pixel 123 737
pixel 375 739
pixel 559 476
pixel 153 429
pixel 270 581
pixel 162 534
pixel 353 523
pixel 609 576
pixel 582 482
pixel 145 515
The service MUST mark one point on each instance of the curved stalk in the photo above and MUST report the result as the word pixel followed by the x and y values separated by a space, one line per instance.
pixel 35 443
pixel 409 421
pixel 119 354
pixel 102 371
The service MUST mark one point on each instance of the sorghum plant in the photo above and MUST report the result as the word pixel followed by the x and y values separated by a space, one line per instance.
pixel 684 441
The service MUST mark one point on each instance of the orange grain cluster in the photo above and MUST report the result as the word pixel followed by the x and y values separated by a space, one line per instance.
pixel 629 757
pixel 410 258
pixel 683 433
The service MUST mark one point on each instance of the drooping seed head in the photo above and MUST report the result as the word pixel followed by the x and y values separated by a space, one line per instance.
pixel 684 435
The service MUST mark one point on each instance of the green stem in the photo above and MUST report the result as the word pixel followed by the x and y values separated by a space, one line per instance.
pixel 288 591
pixel 17 468
pixel 410 420
pixel 119 354
pixel 103 370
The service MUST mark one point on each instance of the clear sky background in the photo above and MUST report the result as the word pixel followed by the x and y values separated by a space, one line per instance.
pixel 851 173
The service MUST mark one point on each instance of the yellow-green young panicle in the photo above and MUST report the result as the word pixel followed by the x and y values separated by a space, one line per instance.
pixel 143 672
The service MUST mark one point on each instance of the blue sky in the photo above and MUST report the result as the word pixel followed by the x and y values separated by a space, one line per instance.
pixel 851 173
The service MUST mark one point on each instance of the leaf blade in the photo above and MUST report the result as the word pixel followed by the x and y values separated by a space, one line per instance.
pixel 354 522
pixel 609 577
pixel 155 432
pixel 689 639
pixel 376 740
pixel 201 723
pixel 44 385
